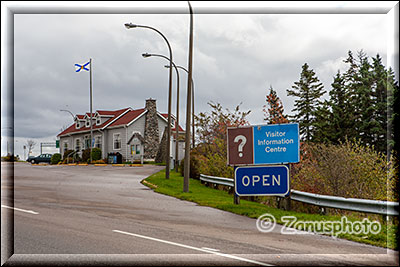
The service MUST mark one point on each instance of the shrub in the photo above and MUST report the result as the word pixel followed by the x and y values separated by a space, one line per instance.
pixel 9 158
pixel 66 153
pixel 86 155
pixel 209 159
pixel 96 153
pixel 347 170
pixel 56 158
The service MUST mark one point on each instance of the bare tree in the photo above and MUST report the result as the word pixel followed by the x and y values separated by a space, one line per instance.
pixel 31 145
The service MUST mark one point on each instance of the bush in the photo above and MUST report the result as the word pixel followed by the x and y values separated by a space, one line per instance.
pixel 346 170
pixel 55 159
pixel 9 158
pixel 96 153
pixel 86 155
pixel 209 159
pixel 66 153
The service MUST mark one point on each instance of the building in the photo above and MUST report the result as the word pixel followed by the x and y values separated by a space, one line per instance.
pixel 134 133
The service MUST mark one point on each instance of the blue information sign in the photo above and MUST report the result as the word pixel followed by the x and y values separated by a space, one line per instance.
pixel 276 143
pixel 262 181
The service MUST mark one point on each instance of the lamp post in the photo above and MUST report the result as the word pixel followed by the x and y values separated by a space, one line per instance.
pixel 146 55
pixel 182 68
pixel 73 117
pixel 131 26
pixel 188 105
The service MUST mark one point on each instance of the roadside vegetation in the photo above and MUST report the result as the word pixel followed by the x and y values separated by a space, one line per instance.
pixel 223 200
pixel 346 149
pixel 347 145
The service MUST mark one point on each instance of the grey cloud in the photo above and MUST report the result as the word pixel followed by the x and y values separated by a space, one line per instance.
pixel 236 59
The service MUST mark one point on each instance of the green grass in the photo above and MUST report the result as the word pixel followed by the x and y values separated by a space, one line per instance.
pixel 222 200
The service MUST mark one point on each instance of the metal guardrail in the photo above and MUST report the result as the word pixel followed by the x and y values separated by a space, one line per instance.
pixel 354 204
pixel 217 180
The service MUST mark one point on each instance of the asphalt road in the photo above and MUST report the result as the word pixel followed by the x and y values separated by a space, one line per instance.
pixel 103 215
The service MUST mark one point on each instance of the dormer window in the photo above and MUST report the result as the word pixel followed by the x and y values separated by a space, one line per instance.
pixel 78 125
pixel 87 124
pixel 98 121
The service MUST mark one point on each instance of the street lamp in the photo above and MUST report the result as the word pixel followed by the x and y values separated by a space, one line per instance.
pixel 131 26
pixel 188 104
pixel 182 68
pixel 73 117
pixel 146 55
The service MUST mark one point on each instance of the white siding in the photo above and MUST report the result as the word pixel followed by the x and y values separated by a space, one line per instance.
pixel 110 141
pixel 161 127
pixel 137 126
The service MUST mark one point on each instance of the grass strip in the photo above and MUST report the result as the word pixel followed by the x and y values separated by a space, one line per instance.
pixel 222 200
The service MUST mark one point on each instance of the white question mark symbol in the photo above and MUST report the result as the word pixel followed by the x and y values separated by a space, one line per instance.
pixel 243 140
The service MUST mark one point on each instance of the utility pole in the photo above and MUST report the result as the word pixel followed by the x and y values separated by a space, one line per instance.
pixel 188 107
pixel 91 120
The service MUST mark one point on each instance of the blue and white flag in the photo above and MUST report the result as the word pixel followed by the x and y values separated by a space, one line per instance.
pixel 82 67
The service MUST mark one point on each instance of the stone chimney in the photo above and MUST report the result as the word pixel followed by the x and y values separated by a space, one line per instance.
pixel 151 134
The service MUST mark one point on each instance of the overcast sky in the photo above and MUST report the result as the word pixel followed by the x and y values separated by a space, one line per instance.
pixel 236 58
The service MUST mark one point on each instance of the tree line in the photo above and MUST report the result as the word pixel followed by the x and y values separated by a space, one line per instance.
pixel 359 107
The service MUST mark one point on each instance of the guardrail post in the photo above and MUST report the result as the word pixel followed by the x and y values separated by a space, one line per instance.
pixel 287 203
pixel 236 197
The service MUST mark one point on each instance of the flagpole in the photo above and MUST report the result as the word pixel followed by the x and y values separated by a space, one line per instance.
pixel 91 120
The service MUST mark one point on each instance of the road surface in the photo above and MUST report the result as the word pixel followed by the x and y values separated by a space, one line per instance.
pixel 103 214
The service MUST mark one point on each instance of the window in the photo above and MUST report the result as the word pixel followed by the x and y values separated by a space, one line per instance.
pixel 78 125
pixel 65 146
pixel 97 141
pixel 98 121
pixel 87 141
pixel 135 149
pixel 87 123
pixel 78 145
pixel 117 141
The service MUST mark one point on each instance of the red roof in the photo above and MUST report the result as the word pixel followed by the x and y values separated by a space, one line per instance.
pixel 126 118
pixel 105 112
pixel 72 128
pixel 165 115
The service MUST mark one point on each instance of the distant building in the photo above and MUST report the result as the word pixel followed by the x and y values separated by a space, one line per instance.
pixel 131 132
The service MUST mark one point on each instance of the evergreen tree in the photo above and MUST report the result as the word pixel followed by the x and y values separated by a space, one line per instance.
pixel 340 119
pixel 308 91
pixel 350 81
pixel 393 111
pixel 381 84
pixel 273 111
pixel 323 131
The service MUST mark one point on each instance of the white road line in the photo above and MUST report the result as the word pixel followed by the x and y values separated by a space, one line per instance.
pixel 194 248
pixel 212 249
pixel 27 211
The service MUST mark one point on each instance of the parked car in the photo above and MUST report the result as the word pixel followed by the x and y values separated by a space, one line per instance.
pixel 41 158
